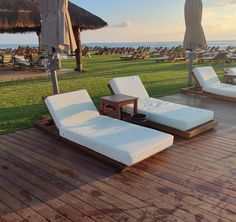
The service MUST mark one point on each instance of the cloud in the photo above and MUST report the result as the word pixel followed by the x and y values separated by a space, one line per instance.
pixel 123 24
pixel 219 20
pixel 223 3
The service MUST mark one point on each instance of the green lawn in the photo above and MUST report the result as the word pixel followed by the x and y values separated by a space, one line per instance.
pixel 21 103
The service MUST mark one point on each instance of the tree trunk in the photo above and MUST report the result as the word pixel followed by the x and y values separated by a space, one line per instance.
pixel 53 74
pixel 39 41
pixel 191 57
pixel 78 51
pixel 190 68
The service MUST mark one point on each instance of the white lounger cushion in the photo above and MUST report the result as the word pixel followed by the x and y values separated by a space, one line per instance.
pixel 78 120
pixel 72 107
pixel 210 82
pixel 206 76
pixel 118 140
pixel 131 86
pixel 222 89
pixel 171 114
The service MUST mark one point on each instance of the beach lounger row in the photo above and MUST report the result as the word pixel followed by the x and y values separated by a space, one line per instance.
pixel 166 54
pixel 5 59
pixel 135 56
pixel 119 50
pixel 216 58
pixel 24 57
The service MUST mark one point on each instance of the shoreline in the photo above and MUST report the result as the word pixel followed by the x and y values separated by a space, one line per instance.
pixel 221 43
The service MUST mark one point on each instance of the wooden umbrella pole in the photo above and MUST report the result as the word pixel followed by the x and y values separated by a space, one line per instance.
pixel 78 51
pixel 191 58
pixel 53 66
pixel 190 68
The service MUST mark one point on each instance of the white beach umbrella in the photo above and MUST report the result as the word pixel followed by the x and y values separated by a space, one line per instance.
pixel 194 36
pixel 56 33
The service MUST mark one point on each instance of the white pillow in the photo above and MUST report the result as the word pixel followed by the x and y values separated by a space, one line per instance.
pixel 131 86
pixel 206 76
pixel 71 108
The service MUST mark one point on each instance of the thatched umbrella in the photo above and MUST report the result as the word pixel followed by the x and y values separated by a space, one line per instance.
pixel 20 16
pixel 17 16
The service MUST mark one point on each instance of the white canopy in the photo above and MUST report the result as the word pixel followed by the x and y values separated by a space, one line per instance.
pixel 194 35
pixel 56 28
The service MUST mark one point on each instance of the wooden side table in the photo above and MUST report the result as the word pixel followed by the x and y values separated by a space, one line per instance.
pixel 228 77
pixel 116 103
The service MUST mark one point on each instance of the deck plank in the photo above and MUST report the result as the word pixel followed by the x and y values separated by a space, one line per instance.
pixel 24 210
pixel 64 177
pixel 56 188
pixel 42 179
pixel 8 214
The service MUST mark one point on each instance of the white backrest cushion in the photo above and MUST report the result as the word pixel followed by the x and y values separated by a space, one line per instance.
pixel 206 76
pixel 71 108
pixel 130 86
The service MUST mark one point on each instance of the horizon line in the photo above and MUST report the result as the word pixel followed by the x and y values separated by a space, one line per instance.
pixel 177 41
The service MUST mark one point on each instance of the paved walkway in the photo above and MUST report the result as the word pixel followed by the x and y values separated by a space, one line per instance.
pixel 8 74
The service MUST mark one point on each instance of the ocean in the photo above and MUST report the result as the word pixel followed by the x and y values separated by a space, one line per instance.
pixel 221 43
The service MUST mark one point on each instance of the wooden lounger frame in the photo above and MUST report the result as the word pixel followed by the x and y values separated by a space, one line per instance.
pixel 197 90
pixel 48 126
pixel 184 134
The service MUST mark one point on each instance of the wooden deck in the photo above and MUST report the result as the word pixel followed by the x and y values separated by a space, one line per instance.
pixel 42 179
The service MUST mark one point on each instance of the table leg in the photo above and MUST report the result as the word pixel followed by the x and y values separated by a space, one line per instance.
pixel 121 113
pixel 102 108
pixel 118 112
pixel 135 106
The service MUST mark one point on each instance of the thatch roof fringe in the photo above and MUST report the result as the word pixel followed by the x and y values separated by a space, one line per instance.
pixel 23 16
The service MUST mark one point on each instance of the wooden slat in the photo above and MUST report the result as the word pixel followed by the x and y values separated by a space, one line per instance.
pixel 30 191
pixel 18 206
pixel 8 214
pixel 43 208
pixel 64 194
pixel 65 174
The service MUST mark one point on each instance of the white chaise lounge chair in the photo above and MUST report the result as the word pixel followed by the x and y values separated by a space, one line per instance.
pixel 115 141
pixel 211 85
pixel 176 119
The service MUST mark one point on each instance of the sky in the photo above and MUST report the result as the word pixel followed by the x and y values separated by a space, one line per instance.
pixel 148 20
